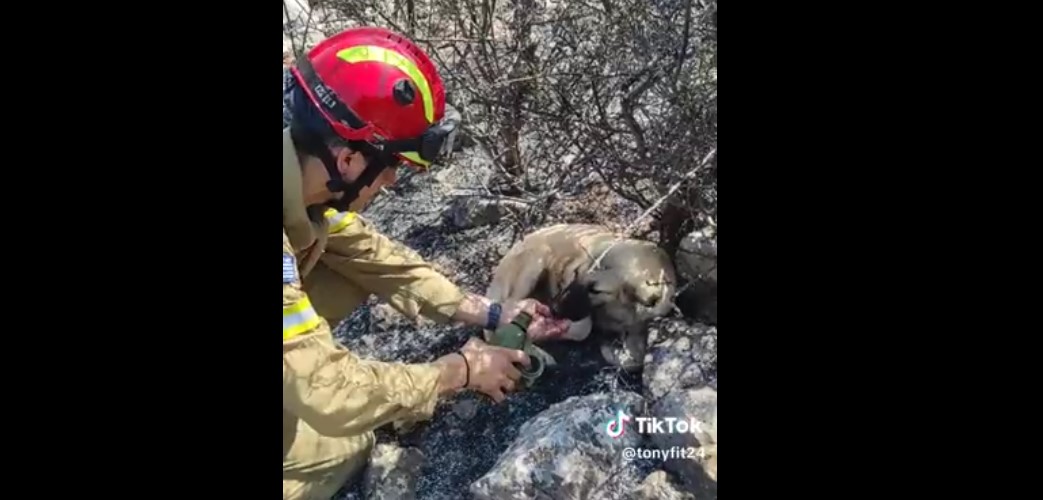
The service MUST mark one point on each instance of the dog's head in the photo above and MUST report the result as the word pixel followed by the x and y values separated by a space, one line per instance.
pixel 635 283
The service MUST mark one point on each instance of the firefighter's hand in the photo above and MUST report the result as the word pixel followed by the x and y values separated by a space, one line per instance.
pixel 492 368
pixel 543 327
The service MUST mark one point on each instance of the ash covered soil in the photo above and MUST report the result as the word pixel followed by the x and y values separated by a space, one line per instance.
pixel 469 433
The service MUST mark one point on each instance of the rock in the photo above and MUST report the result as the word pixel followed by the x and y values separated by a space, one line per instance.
pixel 697 263
pixel 447 175
pixel 680 381
pixel 698 473
pixel 657 486
pixel 469 211
pixel 565 453
pixel 392 473
pixel 463 141
pixel 465 409
pixel 680 355
pixel 698 301
pixel 699 254
pixel 385 318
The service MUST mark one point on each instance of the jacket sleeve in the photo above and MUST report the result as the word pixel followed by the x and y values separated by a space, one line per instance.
pixel 389 270
pixel 330 388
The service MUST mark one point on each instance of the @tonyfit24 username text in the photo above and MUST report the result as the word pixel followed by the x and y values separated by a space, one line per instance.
pixel 678 452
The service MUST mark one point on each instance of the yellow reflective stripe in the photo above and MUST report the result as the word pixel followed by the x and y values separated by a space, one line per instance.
pixel 299 318
pixel 414 157
pixel 338 220
pixel 370 53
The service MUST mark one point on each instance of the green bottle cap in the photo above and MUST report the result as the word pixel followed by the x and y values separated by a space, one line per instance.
pixel 522 320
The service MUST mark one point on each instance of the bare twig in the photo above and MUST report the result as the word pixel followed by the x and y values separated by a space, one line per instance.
pixel 626 88
pixel 691 173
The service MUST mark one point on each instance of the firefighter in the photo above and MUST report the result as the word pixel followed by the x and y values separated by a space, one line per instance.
pixel 361 104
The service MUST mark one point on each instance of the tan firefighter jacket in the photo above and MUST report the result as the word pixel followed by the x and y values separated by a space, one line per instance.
pixel 324 384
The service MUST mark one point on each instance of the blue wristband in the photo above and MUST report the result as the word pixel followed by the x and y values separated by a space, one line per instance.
pixel 493 320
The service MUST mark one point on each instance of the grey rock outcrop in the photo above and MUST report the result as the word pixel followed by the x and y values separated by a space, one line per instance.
pixel 680 355
pixel 697 263
pixel 697 255
pixel 657 486
pixel 680 382
pixel 565 453
pixel 392 473
pixel 467 212
pixel 698 472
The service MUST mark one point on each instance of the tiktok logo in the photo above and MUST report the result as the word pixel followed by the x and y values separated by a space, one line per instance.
pixel 616 427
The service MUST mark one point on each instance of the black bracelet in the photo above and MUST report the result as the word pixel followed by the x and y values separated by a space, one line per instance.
pixel 467 381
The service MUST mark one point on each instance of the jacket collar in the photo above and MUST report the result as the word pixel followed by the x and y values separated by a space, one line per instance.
pixel 295 221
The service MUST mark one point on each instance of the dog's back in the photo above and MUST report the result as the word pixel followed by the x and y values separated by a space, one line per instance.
pixel 546 261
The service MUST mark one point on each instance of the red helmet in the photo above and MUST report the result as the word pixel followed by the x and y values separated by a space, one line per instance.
pixel 374 85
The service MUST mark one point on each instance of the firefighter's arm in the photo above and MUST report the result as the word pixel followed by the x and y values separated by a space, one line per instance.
pixel 337 393
pixel 390 270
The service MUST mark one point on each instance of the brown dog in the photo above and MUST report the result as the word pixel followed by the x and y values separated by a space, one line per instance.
pixel 634 283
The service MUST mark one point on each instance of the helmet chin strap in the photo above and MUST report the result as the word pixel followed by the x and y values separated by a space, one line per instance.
pixel 336 184
pixel 351 191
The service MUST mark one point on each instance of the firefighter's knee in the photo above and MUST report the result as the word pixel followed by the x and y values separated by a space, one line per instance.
pixel 323 465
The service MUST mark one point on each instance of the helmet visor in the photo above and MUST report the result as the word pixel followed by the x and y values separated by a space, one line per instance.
pixel 434 146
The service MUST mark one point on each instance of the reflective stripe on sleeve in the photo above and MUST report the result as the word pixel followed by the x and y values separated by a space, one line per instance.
pixel 299 318
pixel 338 220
